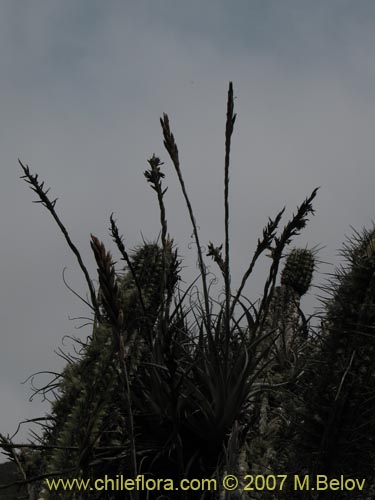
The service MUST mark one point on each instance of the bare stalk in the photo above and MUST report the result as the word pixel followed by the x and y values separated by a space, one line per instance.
pixel 125 257
pixel 263 244
pixel 172 149
pixel 231 118
pixel 154 177
pixel 293 228
pixel 37 186
pixel 108 285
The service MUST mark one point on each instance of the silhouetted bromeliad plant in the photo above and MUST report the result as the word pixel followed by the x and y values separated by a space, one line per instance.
pixel 169 382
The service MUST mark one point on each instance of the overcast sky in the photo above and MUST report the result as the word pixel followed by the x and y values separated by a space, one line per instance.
pixel 83 84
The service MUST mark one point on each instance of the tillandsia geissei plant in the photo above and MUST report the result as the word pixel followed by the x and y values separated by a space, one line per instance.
pixel 151 390
pixel 174 383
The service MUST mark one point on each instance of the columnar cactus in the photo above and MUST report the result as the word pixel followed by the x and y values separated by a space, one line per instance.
pixel 87 406
pixel 337 425
pixel 286 337
pixel 283 315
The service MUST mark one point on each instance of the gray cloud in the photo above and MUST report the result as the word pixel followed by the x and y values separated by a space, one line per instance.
pixel 82 88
